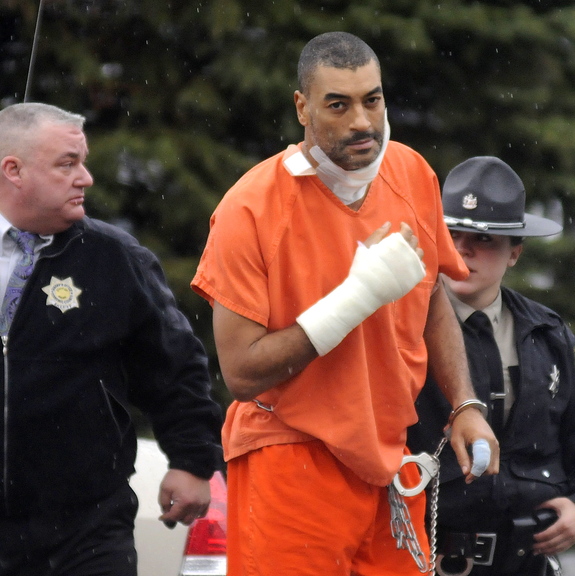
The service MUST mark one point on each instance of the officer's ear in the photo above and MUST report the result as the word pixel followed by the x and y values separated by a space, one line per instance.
pixel 514 256
pixel 10 167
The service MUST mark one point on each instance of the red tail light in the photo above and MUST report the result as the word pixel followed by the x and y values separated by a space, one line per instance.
pixel 205 551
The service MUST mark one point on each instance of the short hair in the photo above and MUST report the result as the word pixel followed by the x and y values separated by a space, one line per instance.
pixel 20 122
pixel 516 240
pixel 336 50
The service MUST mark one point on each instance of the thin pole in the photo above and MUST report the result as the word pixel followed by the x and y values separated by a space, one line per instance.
pixel 33 53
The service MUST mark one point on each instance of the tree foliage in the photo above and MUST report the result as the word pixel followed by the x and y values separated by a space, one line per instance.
pixel 184 96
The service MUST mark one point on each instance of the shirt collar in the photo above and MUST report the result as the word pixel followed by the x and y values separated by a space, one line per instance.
pixel 464 311
pixel 5 226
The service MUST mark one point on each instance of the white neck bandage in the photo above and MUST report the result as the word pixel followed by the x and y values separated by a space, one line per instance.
pixel 348 185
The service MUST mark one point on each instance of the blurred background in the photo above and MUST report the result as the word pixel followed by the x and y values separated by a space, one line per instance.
pixel 183 96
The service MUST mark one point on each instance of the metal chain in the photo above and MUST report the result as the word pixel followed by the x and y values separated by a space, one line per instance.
pixel 434 505
pixel 402 527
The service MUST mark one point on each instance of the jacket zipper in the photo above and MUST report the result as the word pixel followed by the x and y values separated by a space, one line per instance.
pixel 41 256
pixel 5 463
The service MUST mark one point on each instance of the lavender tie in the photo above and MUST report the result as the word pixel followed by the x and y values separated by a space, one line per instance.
pixel 21 272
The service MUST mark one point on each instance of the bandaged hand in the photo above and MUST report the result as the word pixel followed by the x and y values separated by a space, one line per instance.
pixel 380 274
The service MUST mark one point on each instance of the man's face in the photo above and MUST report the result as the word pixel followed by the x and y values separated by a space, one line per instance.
pixel 344 114
pixel 53 178
pixel 487 256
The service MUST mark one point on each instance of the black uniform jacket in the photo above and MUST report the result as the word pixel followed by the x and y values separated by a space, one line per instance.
pixel 538 442
pixel 97 329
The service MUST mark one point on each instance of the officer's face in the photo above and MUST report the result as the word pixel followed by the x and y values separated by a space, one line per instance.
pixel 487 256
pixel 52 179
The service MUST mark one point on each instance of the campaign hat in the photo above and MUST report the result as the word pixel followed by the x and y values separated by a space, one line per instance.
pixel 484 194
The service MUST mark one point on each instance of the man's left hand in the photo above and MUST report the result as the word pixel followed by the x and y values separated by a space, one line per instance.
pixel 183 497
pixel 468 427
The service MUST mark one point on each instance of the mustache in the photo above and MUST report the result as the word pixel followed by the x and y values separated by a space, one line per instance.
pixel 359 136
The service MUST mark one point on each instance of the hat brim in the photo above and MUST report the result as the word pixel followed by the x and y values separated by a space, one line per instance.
pixel 534 226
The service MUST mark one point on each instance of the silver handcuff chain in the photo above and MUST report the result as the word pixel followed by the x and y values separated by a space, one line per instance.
pixel 434 505
pixel 402 529
pixel 401 524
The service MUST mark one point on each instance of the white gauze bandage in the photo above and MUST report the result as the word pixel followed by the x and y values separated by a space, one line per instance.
pixel 481 457
pixel 380 274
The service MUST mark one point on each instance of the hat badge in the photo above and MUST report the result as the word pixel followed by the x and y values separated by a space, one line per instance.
pixel 469 202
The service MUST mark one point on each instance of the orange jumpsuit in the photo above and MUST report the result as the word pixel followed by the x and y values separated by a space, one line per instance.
pixel 277 244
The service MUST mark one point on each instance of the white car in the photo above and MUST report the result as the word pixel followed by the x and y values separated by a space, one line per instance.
pixel 197 551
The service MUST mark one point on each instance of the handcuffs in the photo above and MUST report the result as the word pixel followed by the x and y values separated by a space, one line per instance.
pixel 428 468
pixel 428 465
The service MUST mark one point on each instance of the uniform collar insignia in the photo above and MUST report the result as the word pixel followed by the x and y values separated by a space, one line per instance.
pixel 62 294
pixel 469 202
pixel 554 386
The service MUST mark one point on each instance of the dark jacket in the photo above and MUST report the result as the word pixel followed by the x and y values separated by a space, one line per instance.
pixel 538 443
pixel 97 329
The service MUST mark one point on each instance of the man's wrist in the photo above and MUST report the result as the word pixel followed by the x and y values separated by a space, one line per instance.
pixel 471 403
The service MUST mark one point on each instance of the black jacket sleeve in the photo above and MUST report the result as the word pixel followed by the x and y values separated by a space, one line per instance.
pixel 167 371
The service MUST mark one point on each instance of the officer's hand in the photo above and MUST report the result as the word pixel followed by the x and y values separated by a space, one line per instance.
pixel 183 497
pixel 561 535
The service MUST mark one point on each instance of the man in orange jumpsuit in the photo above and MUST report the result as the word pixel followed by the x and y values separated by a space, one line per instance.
pixel 321 267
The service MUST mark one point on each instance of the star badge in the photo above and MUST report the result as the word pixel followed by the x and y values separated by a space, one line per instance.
pixel 554 386
pixel 62 294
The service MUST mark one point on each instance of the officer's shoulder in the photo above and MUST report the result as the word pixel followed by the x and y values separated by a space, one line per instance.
pixel 108 232
pixel 521 304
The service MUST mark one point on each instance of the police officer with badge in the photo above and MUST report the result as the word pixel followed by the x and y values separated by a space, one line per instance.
pixel 89 328
pixel 521 360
